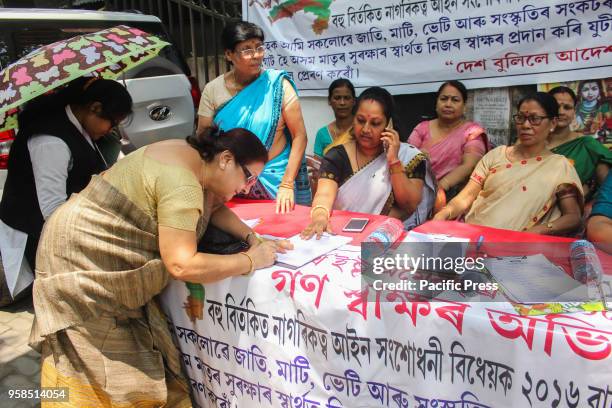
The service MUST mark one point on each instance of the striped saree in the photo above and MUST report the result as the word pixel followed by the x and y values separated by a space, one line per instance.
pixel 97 323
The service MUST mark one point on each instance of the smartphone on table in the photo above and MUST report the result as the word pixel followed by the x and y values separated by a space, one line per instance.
pixel 356 225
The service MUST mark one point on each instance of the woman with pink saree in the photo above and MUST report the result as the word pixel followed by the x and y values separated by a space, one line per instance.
pixel 453 145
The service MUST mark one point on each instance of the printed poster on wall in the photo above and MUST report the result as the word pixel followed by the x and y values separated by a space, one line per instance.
pixel 593 107
pixel 492 111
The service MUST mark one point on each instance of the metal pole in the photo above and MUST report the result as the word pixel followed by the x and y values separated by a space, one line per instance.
pixel 204 45
pixel 194 52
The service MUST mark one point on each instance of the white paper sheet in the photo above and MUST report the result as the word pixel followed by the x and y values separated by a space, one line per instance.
pixel 305 251
pixel 534 279
pixel 414 236
pixel 252 223
pixel 456 246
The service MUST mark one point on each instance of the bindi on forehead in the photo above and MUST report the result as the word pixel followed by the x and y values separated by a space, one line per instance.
pixel 532 110
pixel 370 115
pixel 537 112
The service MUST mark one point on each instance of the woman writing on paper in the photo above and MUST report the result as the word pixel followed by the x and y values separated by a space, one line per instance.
pixel 523 187
pixel 264 102
pixel 369 170
pixel 108 252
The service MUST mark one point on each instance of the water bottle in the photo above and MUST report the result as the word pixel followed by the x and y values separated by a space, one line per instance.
pixel 586 266
pixel 382 237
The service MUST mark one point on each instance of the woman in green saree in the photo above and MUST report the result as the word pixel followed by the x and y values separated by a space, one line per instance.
pixel 590 158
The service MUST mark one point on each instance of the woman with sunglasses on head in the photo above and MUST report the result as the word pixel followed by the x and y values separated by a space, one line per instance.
pixel 53 156
pixel 523 187
pixel 266 103
pixel 590 158
pixel 109 250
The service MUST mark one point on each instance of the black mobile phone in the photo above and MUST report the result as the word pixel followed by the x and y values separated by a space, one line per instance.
pixel 356 225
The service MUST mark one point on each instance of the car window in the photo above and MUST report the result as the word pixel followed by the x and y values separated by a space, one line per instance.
pixel 19 38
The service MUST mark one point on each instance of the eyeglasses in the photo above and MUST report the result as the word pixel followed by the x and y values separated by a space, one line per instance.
pixel 251 52
pixel 535 120
pixel 250 177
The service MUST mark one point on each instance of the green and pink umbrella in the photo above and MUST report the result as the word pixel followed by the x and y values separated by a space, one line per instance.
pixel 107 54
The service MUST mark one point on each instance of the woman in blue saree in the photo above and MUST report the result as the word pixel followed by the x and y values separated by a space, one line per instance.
pixel 264 102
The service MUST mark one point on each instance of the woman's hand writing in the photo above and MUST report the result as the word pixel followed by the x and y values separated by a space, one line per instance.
pixel 264 252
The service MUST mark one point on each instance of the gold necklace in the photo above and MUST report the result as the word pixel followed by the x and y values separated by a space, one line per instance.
pixel 239 87
pixel 235 87
pixel 359 167
pixel 357 157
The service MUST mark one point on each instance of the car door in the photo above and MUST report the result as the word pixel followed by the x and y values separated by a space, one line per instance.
pixel 163 109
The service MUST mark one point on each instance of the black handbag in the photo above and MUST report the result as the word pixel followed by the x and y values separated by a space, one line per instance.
pixel 217 241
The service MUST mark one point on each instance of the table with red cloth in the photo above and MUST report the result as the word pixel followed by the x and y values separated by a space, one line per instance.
pixel 319 336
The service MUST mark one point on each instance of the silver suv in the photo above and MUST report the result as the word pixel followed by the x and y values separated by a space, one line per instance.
pixel 164 93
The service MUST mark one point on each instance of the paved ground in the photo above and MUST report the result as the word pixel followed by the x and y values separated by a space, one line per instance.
pixel 19 364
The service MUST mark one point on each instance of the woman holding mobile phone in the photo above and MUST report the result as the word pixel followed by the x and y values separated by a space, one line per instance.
pixel 359 174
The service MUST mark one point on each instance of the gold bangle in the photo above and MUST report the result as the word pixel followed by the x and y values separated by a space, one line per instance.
pixel 252 267
pixel 286 184
pixel 320 206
